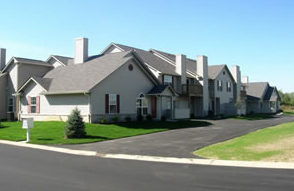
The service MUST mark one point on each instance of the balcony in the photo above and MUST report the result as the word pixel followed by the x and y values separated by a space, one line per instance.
pixel 192 90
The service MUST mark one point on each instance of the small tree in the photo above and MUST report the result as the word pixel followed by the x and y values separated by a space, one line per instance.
pixel 75 127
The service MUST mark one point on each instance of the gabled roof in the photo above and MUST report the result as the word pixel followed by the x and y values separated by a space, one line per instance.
pixel 26 61
pixel 81 78
pixel 164 66
pixel 268 93
pixel 43 82
pixel 61 59
pixel 158 90
pixel 214 70
pixel 191 63
pixel 257 89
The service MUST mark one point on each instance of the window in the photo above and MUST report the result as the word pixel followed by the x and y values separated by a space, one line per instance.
pixel 219 85
pixel 33 105
pixel 112 104
pixel 167 80
pixel 272 104
pixel 229 86
pixel 11 104
pixel 142 105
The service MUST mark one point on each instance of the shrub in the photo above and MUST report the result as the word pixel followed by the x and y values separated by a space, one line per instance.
pixel 163 118
pixel 149 117
pixel 115 119
pixel 140 118
pixel 75 127
pixel 128 119
pixel 102 119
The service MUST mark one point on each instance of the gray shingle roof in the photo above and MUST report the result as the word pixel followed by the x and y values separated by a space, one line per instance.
pixel 44 82
pixel 64 60
pixel 256 89
pixel 214 70
pixel 32 61
pixel 158 89
pixel 161 65
pixel 80 78
pixel 191 64
pixel 268 93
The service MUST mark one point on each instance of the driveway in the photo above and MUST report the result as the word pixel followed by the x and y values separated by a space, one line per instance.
pixel 181 143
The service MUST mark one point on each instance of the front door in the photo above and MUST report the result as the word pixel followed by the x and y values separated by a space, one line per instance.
pixel 153 106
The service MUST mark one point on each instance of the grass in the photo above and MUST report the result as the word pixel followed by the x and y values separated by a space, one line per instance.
pixel 289 112
pixel 269 144
pixel 259 116
pixel 52 132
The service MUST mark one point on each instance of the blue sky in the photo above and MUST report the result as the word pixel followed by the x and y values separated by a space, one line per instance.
pixel 257 35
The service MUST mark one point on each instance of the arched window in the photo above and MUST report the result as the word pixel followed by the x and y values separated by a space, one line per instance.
pixel 142 105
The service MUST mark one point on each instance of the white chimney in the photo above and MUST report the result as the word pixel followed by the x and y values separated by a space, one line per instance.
pixel 181 67
pixel 81 50
pixel 245 79
pixel 2 58
pixel 202 70
pixel 237 77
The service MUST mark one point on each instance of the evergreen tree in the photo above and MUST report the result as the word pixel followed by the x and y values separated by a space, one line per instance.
pixel 75 127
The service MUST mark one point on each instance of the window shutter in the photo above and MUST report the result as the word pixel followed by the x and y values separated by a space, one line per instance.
pixel 117 103
pixel 38 104
pixel 106 103
pixel 29 104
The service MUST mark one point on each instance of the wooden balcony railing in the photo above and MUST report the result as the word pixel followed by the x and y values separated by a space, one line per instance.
pixel 192 90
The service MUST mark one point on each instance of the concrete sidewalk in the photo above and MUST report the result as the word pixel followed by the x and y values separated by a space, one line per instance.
pixel 180 143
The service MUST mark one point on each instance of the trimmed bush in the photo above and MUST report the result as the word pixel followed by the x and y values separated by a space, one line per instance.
pixel 102 119
pixel 163 118
pixel 115 119
pixel 149 117
pixel 140 118
pixel 128 119
pixel 75 127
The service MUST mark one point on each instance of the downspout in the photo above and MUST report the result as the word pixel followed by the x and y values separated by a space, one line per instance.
pixel 89 106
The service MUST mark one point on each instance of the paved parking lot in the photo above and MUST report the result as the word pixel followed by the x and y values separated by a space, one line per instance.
pixel 181 142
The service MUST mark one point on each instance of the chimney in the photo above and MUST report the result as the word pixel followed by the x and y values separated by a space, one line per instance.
pixel 237 76
pixel 81 50
pixel 181 67
pixel 245 79
pixel 202 70
pixel 2 58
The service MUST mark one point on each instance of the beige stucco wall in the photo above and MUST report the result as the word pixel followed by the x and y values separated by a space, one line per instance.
pixel 128 84
pixel 3 106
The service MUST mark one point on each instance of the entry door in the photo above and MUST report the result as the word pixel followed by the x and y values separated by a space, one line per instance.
pixel 153 107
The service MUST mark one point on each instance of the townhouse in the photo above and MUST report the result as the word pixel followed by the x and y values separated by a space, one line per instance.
pixel 121 81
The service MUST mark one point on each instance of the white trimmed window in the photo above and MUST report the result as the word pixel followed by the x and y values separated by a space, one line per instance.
pixel 167 80
pixel 112 103
pixel 11 104
pixel 142 105
pixel 229 86
pixel 33 104
pixel 219 85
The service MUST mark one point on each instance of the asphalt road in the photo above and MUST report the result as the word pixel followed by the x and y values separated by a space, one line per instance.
pixel 37 170
pixel 181 142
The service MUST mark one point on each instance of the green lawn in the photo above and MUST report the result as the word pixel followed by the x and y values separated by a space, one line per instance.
pixel 52 132
pixel 269 144
pixel 289 112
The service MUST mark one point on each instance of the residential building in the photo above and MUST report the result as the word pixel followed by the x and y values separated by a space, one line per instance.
pixel 122 81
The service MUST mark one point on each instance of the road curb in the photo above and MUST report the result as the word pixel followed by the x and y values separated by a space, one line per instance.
pixel 250 164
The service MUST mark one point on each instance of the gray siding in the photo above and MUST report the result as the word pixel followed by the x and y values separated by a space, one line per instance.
pixel 128 84
pixel 3 105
